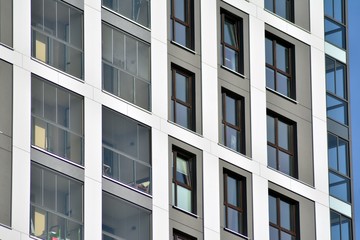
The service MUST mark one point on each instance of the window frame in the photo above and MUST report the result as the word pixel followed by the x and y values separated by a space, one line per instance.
pixel 190 159
pixel 240 118
pixel 292 138
pixel 241 190
pixel 294 214
pixel 237 21
pixel 190 91
pixel 291 13
pixel 341 217
pixel 178 235
pixel 188 23
pixel 291 59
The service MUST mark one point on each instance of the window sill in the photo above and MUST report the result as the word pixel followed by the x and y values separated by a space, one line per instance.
pixel 127 19
pixel 232 71
pixel 58 157
pixel 236 233
pixel 7 46
pixel 186 129
pixel 232 150
pixel 127 186
pixel 186 212
pixel 57 70
pixel 183 47
pixel 282 95
pixel 5 226
pixel 291 177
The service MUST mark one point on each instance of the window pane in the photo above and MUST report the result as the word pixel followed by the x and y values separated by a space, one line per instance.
pixel 142 177
pixel 107 43
pixel 144 144
pixel 335 226
pixel 118 49
pixel 336 109
pixel 76 200
pixel 63 195
pixel 339 187
pixel 231 111
pixel 142 94
pixel 74 62
pixel 126 172
pixel 126 86
pixel 270 121
pixel 286 236
pixel 334 33
pixel 233 221
pixel 332 152
pixel 184 198
pixel 286 217
pixel 339 10
pixel 36 186
pixel 269 4
pixel 284 135
pixel 231 59
pixel 232 138
pixel 180 34
pixel 283 9
pixel 183 115
pixel 232 191
pixel 49 190
pixel 74 231
pixel 63 27
pixel 49 17
pixel 343 157
pixel 110 79
pixel 345 229
pixel 50 100
pixel 330 75
pixel 283 84
pixel 131 55
pixel 182 171
pixel 230 36
pixel 37 97
pixel 36 13
pixel 270 79
pixel 272 210
pixel 76 28
pixel 76 114
pixel 144 61
pixel 274 233
pixel 63 107
pixel 340 80
pixel 180 9
pixel 271 152
pixel 286 163
pixel 282 58
pixel 269 48
pixel 182 87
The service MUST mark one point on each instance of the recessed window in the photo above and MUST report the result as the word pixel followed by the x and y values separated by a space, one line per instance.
pixel 335 33
pixel 126 66
pixel 231 42
pixel 281 144
pixel 124 220
pixel 339 186
pixel 183 98
pixel 6 22
pixel 283 8
pixel 279 66
pixel 335 9
pixel 126 150
pixel 183 180
pixel 56 208
pixel 182 22
pixel 232 125
pixel 135 10
pixel 57 35
pixel 338 154
pixel 340 226
pixel 283 218
pixel 57 120
pixel 235 203
pixel 182 236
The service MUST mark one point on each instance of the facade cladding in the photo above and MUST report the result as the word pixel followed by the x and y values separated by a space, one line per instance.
pixel 174 119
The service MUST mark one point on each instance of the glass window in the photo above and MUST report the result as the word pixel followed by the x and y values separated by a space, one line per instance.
pixel 182 236
pixel 339 186
pixel 232 125
pixel 135 10
pixel 126 150
pixel 235 203
pixel 283 218
pixel 56 208
pixel 231 42
pixel 335 9
pixel 182 25
pixel 336 78
pixel 183 180
pixel 126 66
pixel 283 8
pixel 338 154
pixel 281 144
pixel 6 22
pixel 57 120
pixel 279 65
pixel 337 109
pixel 57 35
pixel 124 220
pixel 182 98
pixel 340 226
pixel 335 33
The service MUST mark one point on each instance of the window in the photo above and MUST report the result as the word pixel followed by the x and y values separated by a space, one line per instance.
pixel 126 150
pixel 182 236
pixel 56 208
pixel 283 217
pixel 335 22
pixel 183 98
pixel 279 66
pixel 340 227
pixel 235 203
pixel 124 220
pixel 182 28
pixel 57 35
pixel 335 9
pixel 126 66
pixel 57 120
pixel 183 180
pixel 336 91
pixel 6 22
pixel 281 144
pixel 283 8
pixel 135 10
pixel 231 42
pixel 232 124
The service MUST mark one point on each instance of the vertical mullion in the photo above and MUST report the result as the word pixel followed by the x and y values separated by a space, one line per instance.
pixel 275 60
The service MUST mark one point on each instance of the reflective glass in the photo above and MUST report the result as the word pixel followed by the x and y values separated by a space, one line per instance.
pixel 330 75
pixel 282 58
pixel 142 94
pixel 271 152
pixel 272 210
pixel 345 229
pixel 269 4
pixel 332 152
pixel 340 80
pixel 284 137
pixel 335 226
pixel 180 34
pixel 231 59
pixel 274 233
pixel 286 163
pixel 343 157
pixel 286 236
pixel 231 110
pixel 233 221
pixel 184 198
pixel 270 121
pixel 269 50
pixel 110 79
pixel 182 171
pixel 183 115
pixel 336 109
pixel 283 84
pixel 180 8
pixel 335 33
pixel 230 37
pixel 131 55
pixel 270 79
pixel 286 215
pixel 182 87
pixel 232 138
pixel 232 191
pixel 339 187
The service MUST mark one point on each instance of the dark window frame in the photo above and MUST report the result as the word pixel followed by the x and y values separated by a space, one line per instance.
pixel 341 217
pixel 240 118
pixel 239 47
pixel 291 13
pixel 190 91
pixel 291 58
pixel 292 138
pixel 188 23
pixel 241 189
pixel 178 235
pixel 295 214
pixel 191 160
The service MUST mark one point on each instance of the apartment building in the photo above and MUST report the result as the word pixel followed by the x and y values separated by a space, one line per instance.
pixel 177 119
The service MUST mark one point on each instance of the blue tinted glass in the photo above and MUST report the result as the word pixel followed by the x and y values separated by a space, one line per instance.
pixel 285 163
pixel 269 4
pixel 332 152
pixel 328 7
pixel 272 210
pixel 282 58
pixel 270 80
pixel 343 157
pixel 339 187
pixel 285 215
pixel 345 229
pixel 233 219
pixel 180 9
pixel 271 152
pixel 232 193
pixel 280 8
pixel 230 33
pixel 230 111
pixel 330 75
pixel 336 109
pixel 334 33
pixel 340 80
pixel 283 84
pixel 183 115
pixel 339 10
pixel 335 226
pixel 181 87
pixel 180 34
pixel 232 138
pixel 269 51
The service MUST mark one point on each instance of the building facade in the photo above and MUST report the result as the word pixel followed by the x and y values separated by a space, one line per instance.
pixel 178 119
